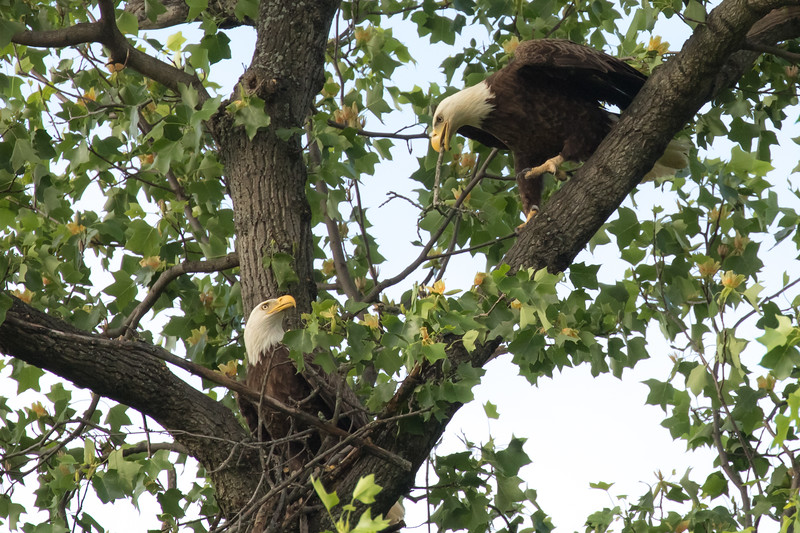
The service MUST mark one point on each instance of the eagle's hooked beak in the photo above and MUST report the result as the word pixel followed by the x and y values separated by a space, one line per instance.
pixel 440 136
pixel 284 302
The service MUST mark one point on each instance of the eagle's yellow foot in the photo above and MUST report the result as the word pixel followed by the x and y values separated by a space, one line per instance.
pixel 551 165
pixel 532 213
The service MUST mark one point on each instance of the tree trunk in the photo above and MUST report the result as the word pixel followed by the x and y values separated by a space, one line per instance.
pixel 267 174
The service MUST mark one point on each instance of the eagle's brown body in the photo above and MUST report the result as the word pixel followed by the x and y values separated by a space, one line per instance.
pixel 271 372
pixel 276 376
pixel 547 102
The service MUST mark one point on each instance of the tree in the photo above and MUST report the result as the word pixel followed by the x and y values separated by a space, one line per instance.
pixel 211 200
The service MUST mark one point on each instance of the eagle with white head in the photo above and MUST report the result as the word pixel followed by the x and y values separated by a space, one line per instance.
pixel 271 372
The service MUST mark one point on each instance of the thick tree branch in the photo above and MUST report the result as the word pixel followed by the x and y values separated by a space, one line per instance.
pixel 177 12
pixel 707 64
pixel 84 32
pixel 105 32
pixel 127 372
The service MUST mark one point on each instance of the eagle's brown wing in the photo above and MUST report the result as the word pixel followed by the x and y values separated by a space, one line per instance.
pixel 313 391
pixel 593 74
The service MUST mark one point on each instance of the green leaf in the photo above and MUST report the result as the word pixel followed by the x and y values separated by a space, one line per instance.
pixel 246 9
pixel 128 471
pixel 282 265
pixel 366 489
pixel 175 41
pixel 252 116
pixel 170 501
pixel 27 376
pixel 491 410
pixel 779 336
pixel 143 238
pixel 469 339
pixel 10 510
pixel 367 524
pixel 510 460
pixel 127 23
pixel 88 451
pixel 434 352
pixel 715 485
pixel 698 379
pixel 625 227
pixel 329 499
pixel 661 393
pixel 5 304
pixel 195 8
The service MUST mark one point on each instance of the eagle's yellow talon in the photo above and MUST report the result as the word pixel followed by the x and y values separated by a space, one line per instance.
pixel 532 213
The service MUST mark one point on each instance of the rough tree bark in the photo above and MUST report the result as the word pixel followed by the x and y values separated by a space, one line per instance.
pixel 267 178
pixel 267 175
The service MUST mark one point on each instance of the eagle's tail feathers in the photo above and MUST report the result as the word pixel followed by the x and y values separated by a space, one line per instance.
pixel 676 157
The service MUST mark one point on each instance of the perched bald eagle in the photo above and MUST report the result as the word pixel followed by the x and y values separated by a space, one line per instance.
pixel 272 372
pixel 546 106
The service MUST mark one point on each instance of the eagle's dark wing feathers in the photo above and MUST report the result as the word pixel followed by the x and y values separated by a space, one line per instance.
pixel 592 74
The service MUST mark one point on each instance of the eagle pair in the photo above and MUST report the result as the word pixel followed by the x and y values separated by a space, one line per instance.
pixel 546 106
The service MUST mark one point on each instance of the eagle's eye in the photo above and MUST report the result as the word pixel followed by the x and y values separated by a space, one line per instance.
pixel 265 306
pixel 440 118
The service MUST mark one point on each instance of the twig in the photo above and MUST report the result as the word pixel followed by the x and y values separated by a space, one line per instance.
pixel 393 195
pixel 472 248
pixel 567 12
pixel 750 44
pixel 386 135
pixel 209 265
pixel 362 226
pixel 437 178
pixel 423 256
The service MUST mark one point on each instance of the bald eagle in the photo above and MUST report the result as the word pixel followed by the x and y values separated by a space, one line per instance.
pixel 546 106
pixel 270 371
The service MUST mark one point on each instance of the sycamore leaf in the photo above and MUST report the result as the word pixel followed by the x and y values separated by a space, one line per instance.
pixel 329 499
pixel 367 524
pixel 366 489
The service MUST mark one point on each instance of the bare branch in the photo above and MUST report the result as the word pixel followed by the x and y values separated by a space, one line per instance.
pixel 773 50
pixel 363 227
pixel 385 135
pixel 423 256
pixel 84 32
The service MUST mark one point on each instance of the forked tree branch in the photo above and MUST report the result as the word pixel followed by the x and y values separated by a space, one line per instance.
pixel 106 32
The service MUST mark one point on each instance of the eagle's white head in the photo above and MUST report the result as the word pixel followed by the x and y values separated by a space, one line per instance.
pixel 264 326
pixel 467 107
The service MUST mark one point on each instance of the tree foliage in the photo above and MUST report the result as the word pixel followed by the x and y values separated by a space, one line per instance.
pixel 145 211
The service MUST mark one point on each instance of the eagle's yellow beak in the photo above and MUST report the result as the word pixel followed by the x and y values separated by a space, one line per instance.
pixel 284 302
pixel 440 136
